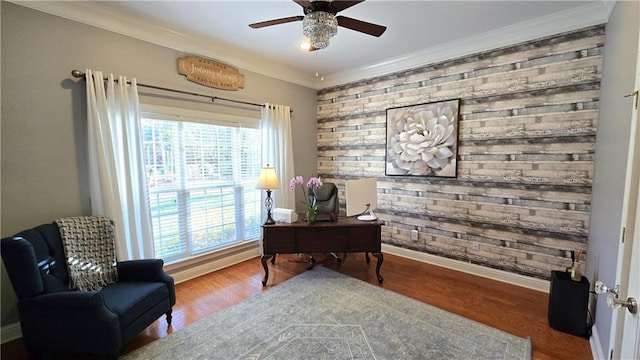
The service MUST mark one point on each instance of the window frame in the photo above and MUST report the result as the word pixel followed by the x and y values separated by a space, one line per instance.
pixel 171 113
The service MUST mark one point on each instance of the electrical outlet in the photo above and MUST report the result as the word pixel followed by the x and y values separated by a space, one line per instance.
pixel 475 245
pixel 414 234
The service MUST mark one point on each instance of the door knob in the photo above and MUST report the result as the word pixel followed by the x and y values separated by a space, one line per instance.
pixel 601 288
pixel 613 299
pixel 631 304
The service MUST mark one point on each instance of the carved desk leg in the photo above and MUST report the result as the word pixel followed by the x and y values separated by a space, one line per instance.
pixel 378 265
pixel 264 259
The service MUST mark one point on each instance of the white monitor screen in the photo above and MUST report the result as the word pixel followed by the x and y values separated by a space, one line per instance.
pixel 359 193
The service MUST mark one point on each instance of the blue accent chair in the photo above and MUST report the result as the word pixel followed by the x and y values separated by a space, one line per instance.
pixel 55 319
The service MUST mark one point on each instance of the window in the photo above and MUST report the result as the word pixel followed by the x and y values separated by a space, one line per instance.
pixel 201 171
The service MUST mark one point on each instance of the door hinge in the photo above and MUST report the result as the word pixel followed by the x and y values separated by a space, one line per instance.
pixel 635 101
pixel 624 231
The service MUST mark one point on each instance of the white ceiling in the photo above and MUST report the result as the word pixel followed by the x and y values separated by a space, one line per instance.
pixel 418 32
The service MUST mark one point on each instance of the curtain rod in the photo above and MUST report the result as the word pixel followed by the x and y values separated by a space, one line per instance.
pixel 80 74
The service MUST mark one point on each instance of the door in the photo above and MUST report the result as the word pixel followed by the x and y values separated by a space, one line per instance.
pixel 628 338
pixel 628 329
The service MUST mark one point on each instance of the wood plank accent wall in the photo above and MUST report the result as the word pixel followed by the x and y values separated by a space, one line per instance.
pixel 528 118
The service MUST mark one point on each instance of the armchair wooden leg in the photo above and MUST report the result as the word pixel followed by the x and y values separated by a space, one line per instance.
pixel 169 316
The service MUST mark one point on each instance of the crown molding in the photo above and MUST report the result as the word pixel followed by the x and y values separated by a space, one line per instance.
pixel 92 13
pixel 582 17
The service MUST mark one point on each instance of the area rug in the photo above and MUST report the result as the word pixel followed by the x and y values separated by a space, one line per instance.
pixel 322 314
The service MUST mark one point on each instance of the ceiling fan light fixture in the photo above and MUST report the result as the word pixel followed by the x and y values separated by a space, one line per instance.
pixel 305 45
pixel 319 27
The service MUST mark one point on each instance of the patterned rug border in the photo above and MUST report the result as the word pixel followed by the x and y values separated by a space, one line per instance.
pixel 323 314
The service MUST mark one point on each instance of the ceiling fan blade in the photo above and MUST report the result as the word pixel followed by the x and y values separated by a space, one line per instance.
pixel 339 5
pixel 361 26
pixel 304 3
pixel 276 22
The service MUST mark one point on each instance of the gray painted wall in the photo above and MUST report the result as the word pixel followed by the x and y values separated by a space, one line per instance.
pixel 43 113
pixel 618 79
pixel 528 118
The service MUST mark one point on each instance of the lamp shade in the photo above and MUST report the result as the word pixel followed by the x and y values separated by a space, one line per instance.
pixel 268 179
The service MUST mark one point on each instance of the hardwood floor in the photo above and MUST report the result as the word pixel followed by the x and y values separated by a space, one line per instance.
pixel 519 311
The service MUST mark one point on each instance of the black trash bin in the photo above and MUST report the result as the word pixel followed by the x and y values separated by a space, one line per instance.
pixel 568 304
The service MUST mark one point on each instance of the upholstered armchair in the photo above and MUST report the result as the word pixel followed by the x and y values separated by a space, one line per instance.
pixel 55 319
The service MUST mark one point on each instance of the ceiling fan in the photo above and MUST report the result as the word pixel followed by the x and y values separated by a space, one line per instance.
pixel 320 22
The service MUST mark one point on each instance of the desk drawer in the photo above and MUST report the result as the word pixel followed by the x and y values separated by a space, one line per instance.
pixel 279 240
pixel 364 239
pixel 322 239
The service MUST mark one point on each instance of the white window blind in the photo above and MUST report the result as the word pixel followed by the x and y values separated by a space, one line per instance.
pixel 201 172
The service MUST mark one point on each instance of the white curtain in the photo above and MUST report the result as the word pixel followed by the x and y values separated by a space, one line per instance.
pixel 277 151
pixel 116 169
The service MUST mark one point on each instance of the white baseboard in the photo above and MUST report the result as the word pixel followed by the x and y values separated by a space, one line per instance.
pixel 596 347
pixel 10 332
pixel 494 274
pixel 206 264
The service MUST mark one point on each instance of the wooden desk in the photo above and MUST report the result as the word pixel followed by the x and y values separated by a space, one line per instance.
pixel 342 236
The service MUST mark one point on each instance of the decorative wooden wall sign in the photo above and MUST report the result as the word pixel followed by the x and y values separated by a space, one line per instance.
pixel 210 73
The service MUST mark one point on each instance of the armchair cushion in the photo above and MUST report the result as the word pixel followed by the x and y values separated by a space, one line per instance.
pixel 146 270
pixel 129 300
pixel 53 284
pixel 27 279
pixel 48 249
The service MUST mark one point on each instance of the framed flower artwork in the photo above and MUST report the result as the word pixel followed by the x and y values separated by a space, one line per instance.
pixel 422 140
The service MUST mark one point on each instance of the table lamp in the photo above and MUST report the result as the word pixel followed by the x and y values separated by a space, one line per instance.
pixel 268 181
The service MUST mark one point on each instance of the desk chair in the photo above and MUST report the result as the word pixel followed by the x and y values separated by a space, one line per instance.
pixel 327 201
